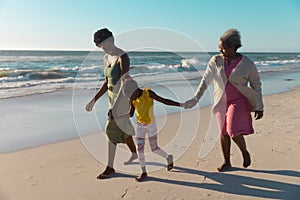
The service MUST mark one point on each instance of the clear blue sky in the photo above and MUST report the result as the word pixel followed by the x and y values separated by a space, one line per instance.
pixel 265 25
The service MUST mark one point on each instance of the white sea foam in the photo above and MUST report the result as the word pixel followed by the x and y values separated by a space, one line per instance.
pixel 189 62
pixel 277 62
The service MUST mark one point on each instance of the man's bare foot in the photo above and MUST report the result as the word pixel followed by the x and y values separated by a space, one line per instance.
pixel 142 177
pixel 131 159
pixel 107 173
pixel 247 159
pixel 224 167
pixel 170 162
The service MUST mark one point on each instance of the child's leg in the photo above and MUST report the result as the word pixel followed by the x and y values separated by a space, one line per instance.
pixel 140 142
pixel 152 128
pixel 152 135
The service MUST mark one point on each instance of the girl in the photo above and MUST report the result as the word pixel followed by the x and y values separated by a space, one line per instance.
pixel 142 103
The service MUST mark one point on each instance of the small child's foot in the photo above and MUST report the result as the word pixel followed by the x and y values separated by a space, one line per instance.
pixel 170 162
pixel 247 159
pixel 142 177
pixel 107 173
pixel 224 167
pixel 131 159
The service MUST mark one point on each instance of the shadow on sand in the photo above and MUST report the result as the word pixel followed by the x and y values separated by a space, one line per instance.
pixel 241 185
pixel 235 184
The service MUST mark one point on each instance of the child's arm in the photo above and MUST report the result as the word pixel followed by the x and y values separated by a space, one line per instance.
pixel 169 102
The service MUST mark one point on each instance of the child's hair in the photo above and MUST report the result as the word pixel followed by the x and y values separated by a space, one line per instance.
pixel 129 87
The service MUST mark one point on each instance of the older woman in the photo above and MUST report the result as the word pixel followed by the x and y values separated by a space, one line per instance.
pixel 233 99
pixel 116 63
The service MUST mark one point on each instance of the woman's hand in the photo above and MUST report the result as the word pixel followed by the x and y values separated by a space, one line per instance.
pixel 258 114
pixel 190 103
pixel 110 115
pixel 90 105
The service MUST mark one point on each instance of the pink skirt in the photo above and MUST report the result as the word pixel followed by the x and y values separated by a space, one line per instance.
pixel 234 113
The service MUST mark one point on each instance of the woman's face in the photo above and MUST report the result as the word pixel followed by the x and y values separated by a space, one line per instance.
pixel 105 45
pixel 225 50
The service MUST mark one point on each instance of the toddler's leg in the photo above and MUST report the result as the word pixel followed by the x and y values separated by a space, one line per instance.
pixel 156 149
pixel 140 142
pixel 140 148
pixel 152 129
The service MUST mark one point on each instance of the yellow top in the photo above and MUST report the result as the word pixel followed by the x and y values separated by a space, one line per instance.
pixel 144 108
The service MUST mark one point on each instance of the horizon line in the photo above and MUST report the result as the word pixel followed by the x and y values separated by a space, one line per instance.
pixel 177 51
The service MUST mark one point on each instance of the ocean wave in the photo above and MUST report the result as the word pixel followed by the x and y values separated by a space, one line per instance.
pixel 33 74
pixel 10 79
pixel 76 68
pixel 39 58
pixel 277 62
pixel 184 66
pixel 194 61
pixel 44 75
pixel 270 70
pixel 5 72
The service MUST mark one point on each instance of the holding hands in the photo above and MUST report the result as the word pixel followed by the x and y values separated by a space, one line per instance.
pixel 190 103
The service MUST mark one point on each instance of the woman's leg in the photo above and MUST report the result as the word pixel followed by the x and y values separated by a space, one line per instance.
pixel 110 163
pixel 111 154
pixel 240 142
pixel 130 143
pixel 225 145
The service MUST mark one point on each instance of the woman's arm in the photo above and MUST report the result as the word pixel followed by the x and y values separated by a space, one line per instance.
pixel 169 102
pixel 102 90
pixel 124 63
pixel 205 81
pixel 255 84
pixel 206 78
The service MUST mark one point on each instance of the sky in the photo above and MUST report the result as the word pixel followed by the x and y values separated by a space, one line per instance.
pixel 265 25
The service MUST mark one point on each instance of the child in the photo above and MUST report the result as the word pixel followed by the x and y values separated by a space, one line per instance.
pixel 142 103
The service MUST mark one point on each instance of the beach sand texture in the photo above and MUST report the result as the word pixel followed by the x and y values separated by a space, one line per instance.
pixel 66 170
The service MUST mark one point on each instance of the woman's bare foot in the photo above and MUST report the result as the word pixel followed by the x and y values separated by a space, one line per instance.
pixel 247 159
pixel 170 162
pixel 224 167
pixel 107 173
pixel 131 159
pixel 142 177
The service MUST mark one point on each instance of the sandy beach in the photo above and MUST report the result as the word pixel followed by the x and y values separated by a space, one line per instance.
pixel 66 170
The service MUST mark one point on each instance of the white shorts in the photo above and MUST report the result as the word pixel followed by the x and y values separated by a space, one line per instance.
pixel 143 129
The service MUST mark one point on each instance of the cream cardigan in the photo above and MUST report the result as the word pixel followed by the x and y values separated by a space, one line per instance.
pixel 244 73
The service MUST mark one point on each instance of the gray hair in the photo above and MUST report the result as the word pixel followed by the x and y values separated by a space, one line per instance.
pixel 232 38
pixel 129 87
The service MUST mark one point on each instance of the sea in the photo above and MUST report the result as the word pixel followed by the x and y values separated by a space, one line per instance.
pixel 43 93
